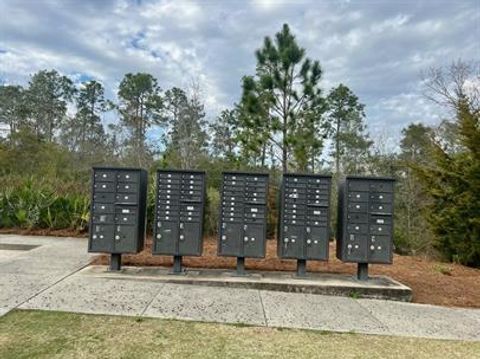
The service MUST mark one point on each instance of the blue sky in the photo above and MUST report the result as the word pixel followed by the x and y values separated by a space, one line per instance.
pixel 377 48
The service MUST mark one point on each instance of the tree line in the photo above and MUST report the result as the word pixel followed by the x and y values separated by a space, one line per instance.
pixel 283 122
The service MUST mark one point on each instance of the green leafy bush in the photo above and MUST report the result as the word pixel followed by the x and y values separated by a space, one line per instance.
pixel 34 203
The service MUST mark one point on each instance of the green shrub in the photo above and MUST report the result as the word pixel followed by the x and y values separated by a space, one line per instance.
pixel 34 203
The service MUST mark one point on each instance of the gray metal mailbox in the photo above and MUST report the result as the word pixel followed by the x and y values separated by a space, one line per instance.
pixel 365 221
pixel 243 217
pixel 118 208
pixel 303 226
pixel 179 211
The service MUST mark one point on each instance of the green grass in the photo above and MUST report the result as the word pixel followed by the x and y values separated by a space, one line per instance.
pixel 37 334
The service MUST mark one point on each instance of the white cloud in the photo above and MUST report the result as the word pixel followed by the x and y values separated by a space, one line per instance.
pixel 376 48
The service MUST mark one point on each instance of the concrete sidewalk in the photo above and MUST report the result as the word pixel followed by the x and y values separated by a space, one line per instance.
pixel 54 282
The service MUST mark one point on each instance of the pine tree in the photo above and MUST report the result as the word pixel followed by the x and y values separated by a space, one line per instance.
pixel 452 182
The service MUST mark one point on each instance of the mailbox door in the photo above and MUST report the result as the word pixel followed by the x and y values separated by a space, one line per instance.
pixel 101 238
pixel 166 237
pixel 125 239
pixel 356 247
pixel 189 239
pixel 317 243
pixel 230 239
pixel 379 249
pixel 293 241
pixel 254 240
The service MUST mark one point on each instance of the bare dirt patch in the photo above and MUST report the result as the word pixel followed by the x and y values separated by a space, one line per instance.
pixel 432 282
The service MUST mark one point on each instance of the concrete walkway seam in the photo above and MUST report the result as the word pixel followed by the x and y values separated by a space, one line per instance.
pixel 263 308
pixel 142 314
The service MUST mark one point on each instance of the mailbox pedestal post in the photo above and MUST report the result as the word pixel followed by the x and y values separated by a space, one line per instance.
pixel 177 265
pixel 115 262
pixel 362 271
pixel 301 268
pixel 240 266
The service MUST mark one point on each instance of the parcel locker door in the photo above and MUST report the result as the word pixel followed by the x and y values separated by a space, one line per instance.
pixel 355 248
pixel 101 238
pixel 189 239
pixel 316 243
pixel 230 239
pixel 125 239
pixel 254 240
pixel 166 237
pixel 380 249
pixel 293 241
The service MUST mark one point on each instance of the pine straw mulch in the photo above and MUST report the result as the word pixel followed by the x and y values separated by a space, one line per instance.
pixel 432 282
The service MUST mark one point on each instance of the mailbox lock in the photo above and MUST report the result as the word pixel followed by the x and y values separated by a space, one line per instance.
pixel 117 237
pixel 372 247
pixel 356 246
pixel 245 239
pixel 159 236
pixel 349 246
pixel 379 248
pixel 224 237
pixel 308 229
pixel 182 237
pixel 309 241
pixel 315 241
pixel 285 240
pixel 181 225
pixel 94 236
pixel 252 239
pixel 293 240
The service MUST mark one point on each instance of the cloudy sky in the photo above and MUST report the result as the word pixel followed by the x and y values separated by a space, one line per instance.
pixel 377 48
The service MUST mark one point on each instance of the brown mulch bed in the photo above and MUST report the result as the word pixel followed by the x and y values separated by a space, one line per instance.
pixel 432 282
pixel 44 232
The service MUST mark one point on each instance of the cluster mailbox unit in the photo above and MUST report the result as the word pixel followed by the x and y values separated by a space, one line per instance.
pixel 364 225
pixel 303 226
pixel 365 221
pixel 179 209
pixel 117 222
pixel 243 217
